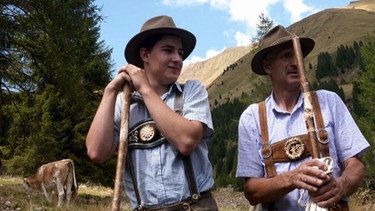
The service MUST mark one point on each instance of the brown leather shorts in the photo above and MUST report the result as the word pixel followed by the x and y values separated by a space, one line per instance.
pixel 339 206
pixel 205 203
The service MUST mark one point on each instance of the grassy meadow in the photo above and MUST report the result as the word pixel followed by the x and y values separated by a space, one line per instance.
pixel 14 197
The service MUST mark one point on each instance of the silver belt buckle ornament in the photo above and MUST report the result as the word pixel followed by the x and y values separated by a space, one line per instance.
pixel 294 148
pixel 147 133
pixel 269 153
pixel 322 136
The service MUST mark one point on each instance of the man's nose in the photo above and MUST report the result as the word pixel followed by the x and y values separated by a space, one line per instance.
pixel 177 56
pixel 293 60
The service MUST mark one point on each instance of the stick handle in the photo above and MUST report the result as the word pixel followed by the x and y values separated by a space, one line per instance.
pixel 308 106
pixel 123 145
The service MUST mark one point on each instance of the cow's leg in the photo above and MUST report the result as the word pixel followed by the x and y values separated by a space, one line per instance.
pixel 69 185
pixel 68 192
pixel 61 192
pixel 46 193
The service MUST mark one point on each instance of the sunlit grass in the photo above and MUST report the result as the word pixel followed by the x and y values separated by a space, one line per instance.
pixel 95 190
pixel 363 200
pixel 89 198
pixel 98 198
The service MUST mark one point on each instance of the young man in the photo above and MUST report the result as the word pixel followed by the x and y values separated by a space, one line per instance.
pixel 274 155
pixel 162 141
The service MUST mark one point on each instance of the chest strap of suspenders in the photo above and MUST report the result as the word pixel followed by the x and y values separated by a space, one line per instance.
pixel 278 152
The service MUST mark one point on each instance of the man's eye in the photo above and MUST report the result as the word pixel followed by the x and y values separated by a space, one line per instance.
pixel 168 50
pixel 287 55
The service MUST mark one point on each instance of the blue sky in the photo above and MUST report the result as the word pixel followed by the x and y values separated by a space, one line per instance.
pixel 217 24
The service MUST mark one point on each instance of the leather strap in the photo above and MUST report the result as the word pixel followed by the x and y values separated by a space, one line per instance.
pixel 180 206
pixel 279 152
pixel 189 172
pixel 135 186
pixel 322 134
pixel 145 134
pixel 266 147
pixel 275 152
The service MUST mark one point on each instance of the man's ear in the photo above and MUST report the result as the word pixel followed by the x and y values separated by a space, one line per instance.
pixel 143 52
pixel 266 66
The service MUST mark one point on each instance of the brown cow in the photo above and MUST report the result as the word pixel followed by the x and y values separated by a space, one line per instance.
pixel 58 175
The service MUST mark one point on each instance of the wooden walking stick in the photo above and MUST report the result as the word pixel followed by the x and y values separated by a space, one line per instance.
pixel 308 108
pixel 123 145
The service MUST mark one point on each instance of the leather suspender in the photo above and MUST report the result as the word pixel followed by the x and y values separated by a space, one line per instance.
pixel 267 148
pixel 189 171
pixel 322 133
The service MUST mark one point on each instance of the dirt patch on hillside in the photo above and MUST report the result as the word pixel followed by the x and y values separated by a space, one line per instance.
pixel 228 199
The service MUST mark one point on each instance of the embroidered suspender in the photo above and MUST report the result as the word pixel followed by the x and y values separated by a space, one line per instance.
pixel 279 152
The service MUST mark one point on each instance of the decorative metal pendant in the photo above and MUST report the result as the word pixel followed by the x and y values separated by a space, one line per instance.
pixel 147 133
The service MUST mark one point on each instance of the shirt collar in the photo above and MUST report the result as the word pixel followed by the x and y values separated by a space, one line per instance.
pixel 136 97
pixel 175 87
pixel 277 109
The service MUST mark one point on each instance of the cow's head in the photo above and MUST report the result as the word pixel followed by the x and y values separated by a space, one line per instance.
pixel 26 184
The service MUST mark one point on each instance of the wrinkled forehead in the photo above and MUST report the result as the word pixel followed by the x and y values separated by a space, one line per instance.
pixel 279 49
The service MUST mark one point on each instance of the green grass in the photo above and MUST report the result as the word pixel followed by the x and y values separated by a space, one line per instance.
pixel 89 198
pixel 98 198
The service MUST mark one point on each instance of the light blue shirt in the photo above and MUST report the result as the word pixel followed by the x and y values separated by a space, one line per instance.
pixel 345 139
pixel 159 170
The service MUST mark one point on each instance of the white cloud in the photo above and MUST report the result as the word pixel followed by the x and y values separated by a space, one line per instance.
pixel 296 8
pixel 220 4
pixel 242 39
pixel 242 12
pixel 245 14
pixel 183 3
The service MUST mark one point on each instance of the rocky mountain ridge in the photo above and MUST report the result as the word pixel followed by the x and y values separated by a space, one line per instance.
pixel 212 69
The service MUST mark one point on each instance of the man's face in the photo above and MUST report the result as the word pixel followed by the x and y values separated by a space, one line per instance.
pixel 281 65
pixel 164 61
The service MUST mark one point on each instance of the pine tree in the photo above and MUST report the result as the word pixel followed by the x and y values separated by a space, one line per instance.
pixel 264 25
pixel 364 96
pixel 56 67
pixel 325 66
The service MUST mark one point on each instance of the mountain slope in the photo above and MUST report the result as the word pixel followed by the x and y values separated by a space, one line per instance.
pixel 361 4
pixel 207 71
pixel 329 28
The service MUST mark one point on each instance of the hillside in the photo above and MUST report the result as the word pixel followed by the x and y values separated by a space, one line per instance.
pixel 329 28
pixel 207 71
pixel 229 75
pixel 361 4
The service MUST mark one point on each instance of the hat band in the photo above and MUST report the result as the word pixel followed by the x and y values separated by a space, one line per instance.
pixel 281 40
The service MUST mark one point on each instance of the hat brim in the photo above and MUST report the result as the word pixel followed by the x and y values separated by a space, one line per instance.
pixel 132 48
pixel 307 45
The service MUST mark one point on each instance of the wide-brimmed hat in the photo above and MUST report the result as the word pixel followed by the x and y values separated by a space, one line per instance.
pixel 158 25
pixel 276 37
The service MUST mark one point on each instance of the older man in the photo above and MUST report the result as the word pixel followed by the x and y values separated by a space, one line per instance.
pixel 274 153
